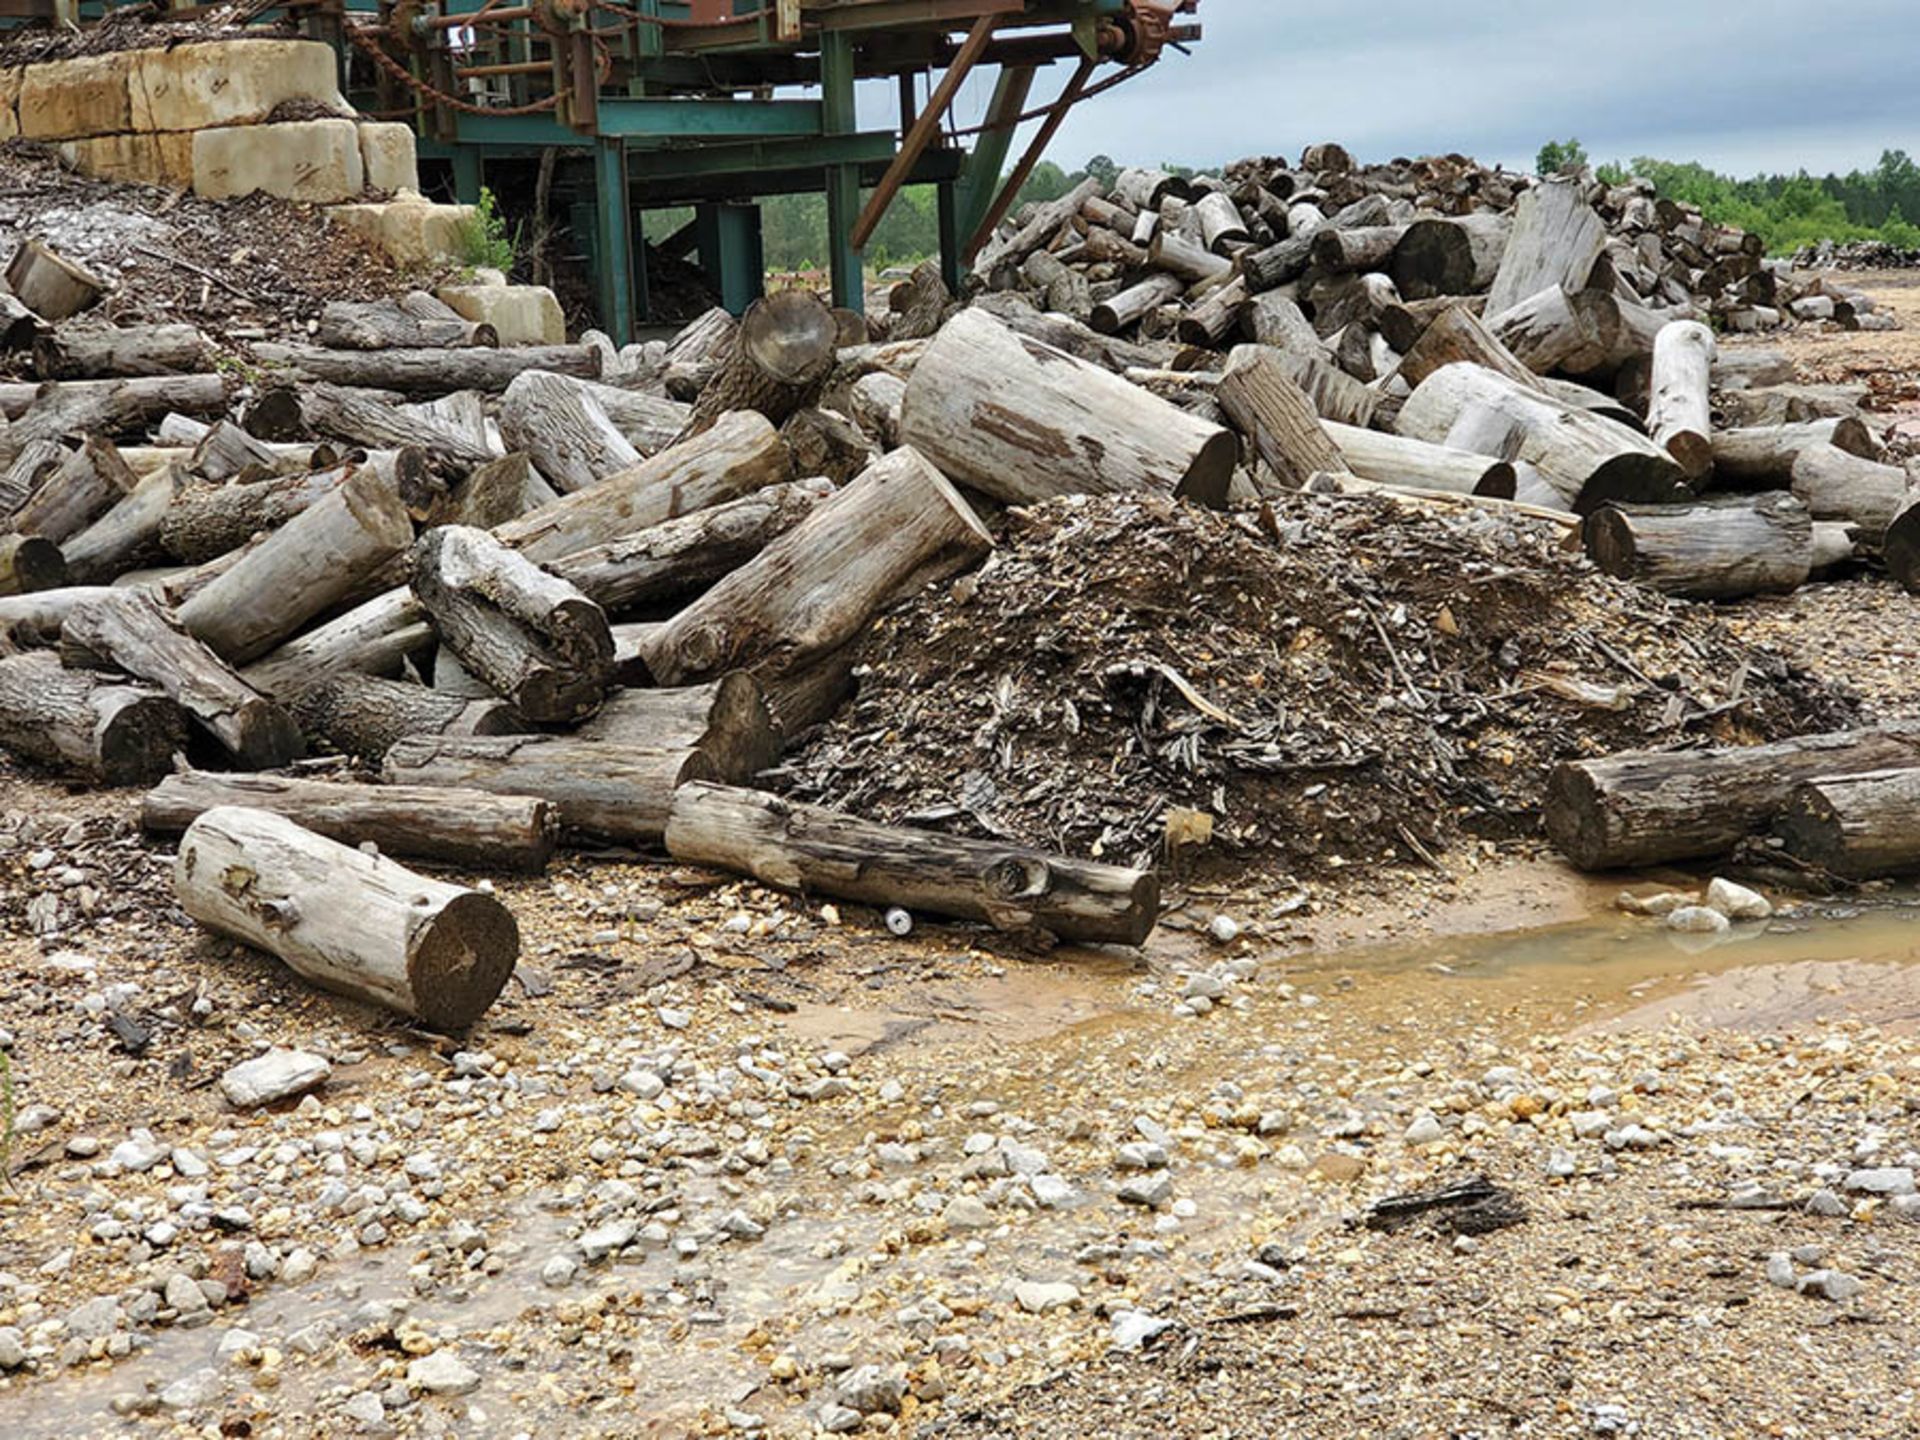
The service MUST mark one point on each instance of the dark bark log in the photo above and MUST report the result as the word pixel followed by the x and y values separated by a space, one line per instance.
pixel 826 444
pixel 1858 827
pixel 726 720
pixel 87 351
pixel 1837 486
pixel 127 536
pixel 27 562
pixel 1207 323
pixel 431 372
pixel 1900 547
pixel 780 360
pixel 816 851
pixel 362 420
pixel 114 407
pixel 558 424
pixel 1449 256
pixel 366 716
pixel 1720 549
pixel 1762 457
pixel 105 730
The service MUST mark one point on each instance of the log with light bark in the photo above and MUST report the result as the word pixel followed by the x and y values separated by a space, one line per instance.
pixel 899 527
pixel 558 424
pixel 1763 456
pixel 27 470
pixel 694 356
pixel 1368 247
pixel 825 444
pixel 1900 546
pixel 415 320
pixel 616 792
pixel 821 852
pixel 740 454
pixel 373 638
pixel 1112 315
pixel 468 828
pixel 649 423
pixel 1275 318
pixel 49 284
pixel 206 521
pixel 85 485
pixel 114 407
pixel 1582 332
pixel 1457 335
pixel 1023 422
pixel 782 356
pixel 1276 417
pixel 1589 460
pixel 365 716
pixel 431 372
pixel 1445 501
pixel 528 635
pixel 1208 322
pixel 1655 807
pixel 1063 332
pixel 727 720
pixel 128 535
pixel 1185 259
pixel 1556 239
pixel 1397 460
pixel 132 631
pixel 28 562
pixel 1717 549
pixel 1457 255
pixel 1680 418
pixel 1858 827
pixel 1045 222
pixel 1220 224
pixel 19 326
pixel 1335 394
pixel 494 493
pixel 33 620
pixel 226 451
pixel 357 924
pixel 875 401
pixel 310 564
pixel 84 350
pixel 360 419
pixel 102 728
pixel 1838 486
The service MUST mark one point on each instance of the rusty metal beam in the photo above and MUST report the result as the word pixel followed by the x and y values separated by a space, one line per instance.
pixel 1049 127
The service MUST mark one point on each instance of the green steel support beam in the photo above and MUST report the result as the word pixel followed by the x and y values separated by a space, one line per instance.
pixel 843 181
pixel 656 121
pixel 467 175
pixel 613 251
pixel 980 180
pixel 731 253
pixel 867 147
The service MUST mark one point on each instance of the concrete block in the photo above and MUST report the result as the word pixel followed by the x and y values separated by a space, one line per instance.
pixel 386 153
pixel 228 82
pixel 411 230
pixel 522 314
pixel 312 160
pixel 144 159
pixel 69 99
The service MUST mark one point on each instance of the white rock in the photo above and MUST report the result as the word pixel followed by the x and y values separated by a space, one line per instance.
pixel 1050 1192
pixel 13 1348
pixel 1426 1129
pixel 1889 1180
pixel 966 1212
pixel 1834 1285
pixel 1698 920
pixel 558 1272
pixel 1780 1270
pixel 183 1293
pixel 442 1373
pixel 1134 1328
pixel 273 1076
pixel 1223 929
pixel 1736 902
pixel 190 1392
pixel 139 1152
pixel 1037 1297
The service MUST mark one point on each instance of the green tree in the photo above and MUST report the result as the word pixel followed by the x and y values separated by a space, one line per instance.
pixel 1556 155
pixel 1103 169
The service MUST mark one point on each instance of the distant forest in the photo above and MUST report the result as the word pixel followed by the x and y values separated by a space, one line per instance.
pixel 1789 211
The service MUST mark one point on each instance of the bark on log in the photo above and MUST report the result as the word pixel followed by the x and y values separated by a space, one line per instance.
pixel 649 423
pixel 1275 318
pixel 126 536
pixel 1396 460
pixel 84 486
pixel 113 407
pixel 1277 418
pixel 431 372
pixel 875 401
pixel 1369 247
pixel 19 326
pixel 1022 422
pixel 357 924
pixel 1458 335
pixel 365 716
pixel 28 562
pixel 1044 224
pixel 825 444
pixel 726 720
pixel 562 429
pixel 33 620
pixel 1680 418
pixel 1763 456
pixel 1207 323
pixel 530 636
pixel 85 351
pixel 1220 224
pixel 900 526
pixel 1656 807
pixel 414 321
pixel 362 420
pixel 494 493
pixel 781 358
pixel 1335 394
pixel 815 851
pixel 226 451
pixel 617 792
pixel 1557 236
pixel 1858 827
pixel 1063 332
pixel 1583 332
pixel 1719 549
pixel 49 284
pixel 1186 259
pixel 671 560
pixel 1449 256
pixel 106 730
pixel 371 639
pixel 204 522
pixel 307 566
pixel 27 470
pixel 1837 486
pixel 1111 316
pixel 1900 547
pixel 132 631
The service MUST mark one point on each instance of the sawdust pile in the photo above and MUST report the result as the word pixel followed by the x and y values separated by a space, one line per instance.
pixel 1336 683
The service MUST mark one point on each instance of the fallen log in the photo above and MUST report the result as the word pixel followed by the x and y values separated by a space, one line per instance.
pixel 1763 456
pixel 558 424
pixel 1130 306
pixel 27 470
pixel 616 792
pixel 1718 549
pixel 798 700
pixel 1276 417
pixel 28 562
pixel 650 423
pixel 33 620
pixel 128 535
pixel 373 638
pixel 85 351
pixel 1457 255
pixel 114 407
pixel 1396 460
pixel 1363 248
pixel 357 924
pixel 727 720
pixel 1900 547
pixel 827 445
pixel 431 372
pixel 1457 335
pixel 1656 807
pixel 85 485
pixel 1835 485
pixel 816 851
pixel 468 828
pixel 134 632
pixel 365 715
pixel 900 526
pixel 1556 239
pixel 226 451
pixel 106 730
pixel 415 320
pixel 494 493
pixel 528 635
pixel 1858 827
pixel 1680 418
pixel 1023 422
pixel 363 420
pixel 204 522
pixel 782 355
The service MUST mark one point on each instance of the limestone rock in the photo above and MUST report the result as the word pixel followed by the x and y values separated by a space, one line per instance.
pixel 239 82
pixel 273 1076
pixel 520 314
pixel 317 161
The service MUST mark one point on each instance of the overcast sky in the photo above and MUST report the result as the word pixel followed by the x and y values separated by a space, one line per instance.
pixel 1742 85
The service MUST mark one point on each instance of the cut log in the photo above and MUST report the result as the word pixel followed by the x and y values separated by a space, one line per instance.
pixel 1447 501
pixel 1763 456
pixel 1344 252
pixel 815 851
pixel 825 444
pixel 875 401
pixel 365 716
pixel 1833 547
pixel 671 560
pixel 1900 547
pixel 1220 222
pixel 1208 322
pixel 1556 239
pixel 1045 222
pixel 1396 460
pixel 798 700
pixel 1276 417
pixel 309 565
pixel 1680 418
pixel 204 522
pixel 50 285
pixel 33 620
pixel 84 351
pixel 1186 259
pixel 1335 394
pixel 1858 827
pixel 1656 807
pixel 431 372
pixel 1457 335
pixel 494 493
pixel 27 470
pixel 558 424
pixel 106 730
pixel 83 487
pixel 114 407
pixel 19 326
pixel 225 451
pixel 1449 256
pixel 617 792
pixel 779 363
pixel 127 536
pixel 362 420
pixel 468 828
pixel 357 924
pixel 133 632
pixel 1837 486
pixel 1023 422
pixel 1127 308
pixel 1587 459
pixel 414 321
pixel 1275 318
pixel 1584 332
pixel 528 635
pixel 1279 264
pixel 373 638
pixel 1719 549
pixel 649 423
pixel 27 563
pixel 1063 332
pixel 900 526
pixel 726 720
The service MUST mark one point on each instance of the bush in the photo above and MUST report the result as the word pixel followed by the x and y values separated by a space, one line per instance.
pixel 484 238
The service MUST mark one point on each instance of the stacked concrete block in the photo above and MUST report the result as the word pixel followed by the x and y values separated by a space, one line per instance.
pixel 520 314
pixel 198 87
pixel 412 230
pixel 317 161
pixel 387 156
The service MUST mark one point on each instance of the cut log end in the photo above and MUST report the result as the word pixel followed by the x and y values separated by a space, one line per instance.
pixel 34 564
pixel 461 959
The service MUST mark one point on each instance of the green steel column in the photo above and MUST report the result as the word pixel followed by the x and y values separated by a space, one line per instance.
pixel 952 240
pixel 466 175
pixel 843 181
pixel 980 179
pixel 613 270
